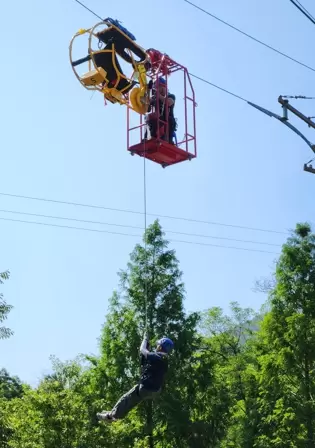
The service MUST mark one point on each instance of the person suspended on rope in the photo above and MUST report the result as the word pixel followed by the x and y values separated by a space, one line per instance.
pixel 166 101
pixel 155 366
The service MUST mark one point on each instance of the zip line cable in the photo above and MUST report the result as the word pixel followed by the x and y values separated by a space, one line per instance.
pixel 249 36
pixel 303 10
pixel 100 207
pixel 137 236
pixel 102 223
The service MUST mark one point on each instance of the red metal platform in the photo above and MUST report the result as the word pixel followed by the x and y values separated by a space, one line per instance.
pixel 161 152
pixel 158 149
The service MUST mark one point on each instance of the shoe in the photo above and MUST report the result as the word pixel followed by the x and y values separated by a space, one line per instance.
pixel 105 416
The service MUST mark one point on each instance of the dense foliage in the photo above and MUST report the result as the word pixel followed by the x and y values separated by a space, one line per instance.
pixel 245 379
pixel 4 309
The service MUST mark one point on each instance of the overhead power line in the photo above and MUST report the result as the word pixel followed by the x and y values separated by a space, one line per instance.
pixel 84 229
pixel 88 9
pixel 249 36
pixel 102 223
pixel 299 97
pixel 229 25
pixel 250 103
pixel 191 74
pixel 303 10
pixel 219 88
pixel 179 218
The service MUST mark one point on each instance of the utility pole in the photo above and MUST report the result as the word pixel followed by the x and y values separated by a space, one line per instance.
pixel 286 106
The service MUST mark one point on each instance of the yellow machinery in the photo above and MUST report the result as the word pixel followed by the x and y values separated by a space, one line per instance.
pixel 104 72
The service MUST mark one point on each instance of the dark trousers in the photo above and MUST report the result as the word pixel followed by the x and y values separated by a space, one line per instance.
pixel 131 399
pixel 152 122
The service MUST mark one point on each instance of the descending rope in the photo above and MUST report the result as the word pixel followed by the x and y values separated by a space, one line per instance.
pixel 145 237
pixel 144 201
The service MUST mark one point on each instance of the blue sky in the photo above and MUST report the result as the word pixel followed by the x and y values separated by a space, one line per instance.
pixel 58 143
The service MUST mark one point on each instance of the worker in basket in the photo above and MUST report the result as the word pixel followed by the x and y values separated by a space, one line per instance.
pixel 166 100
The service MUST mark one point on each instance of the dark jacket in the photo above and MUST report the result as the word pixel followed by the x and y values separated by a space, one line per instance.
pixel 154 370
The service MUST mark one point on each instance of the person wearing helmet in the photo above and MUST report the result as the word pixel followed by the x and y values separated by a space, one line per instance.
pixel 155 367
pixel 166 101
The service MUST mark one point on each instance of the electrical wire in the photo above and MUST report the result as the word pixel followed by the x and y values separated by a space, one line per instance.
pixel 218 87
pixel 249 36
pixel 191 74
pixel 261 109
pixel 233 27
pixel 234 94
pixel 88 9
pixel 145 213
pixel 100 207
pixel 299 97
pixel 137 236
pixel 303 10
pixel 102 223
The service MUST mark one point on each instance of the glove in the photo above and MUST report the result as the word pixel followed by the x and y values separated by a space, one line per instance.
pixel 146 341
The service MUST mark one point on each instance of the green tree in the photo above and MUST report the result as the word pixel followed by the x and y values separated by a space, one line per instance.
pixel 151 287
pixel 287 358
pixel 4 309
pixel 56 413
pixel 10 388
pixel 228 341
pixel 5 431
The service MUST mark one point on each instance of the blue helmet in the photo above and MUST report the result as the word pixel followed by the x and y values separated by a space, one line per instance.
pixel 166 344
pixel 160 81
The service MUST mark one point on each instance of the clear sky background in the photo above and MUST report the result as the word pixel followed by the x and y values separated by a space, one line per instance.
pixel 58 143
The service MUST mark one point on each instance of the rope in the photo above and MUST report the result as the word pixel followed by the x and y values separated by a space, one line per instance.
pixel 145 236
